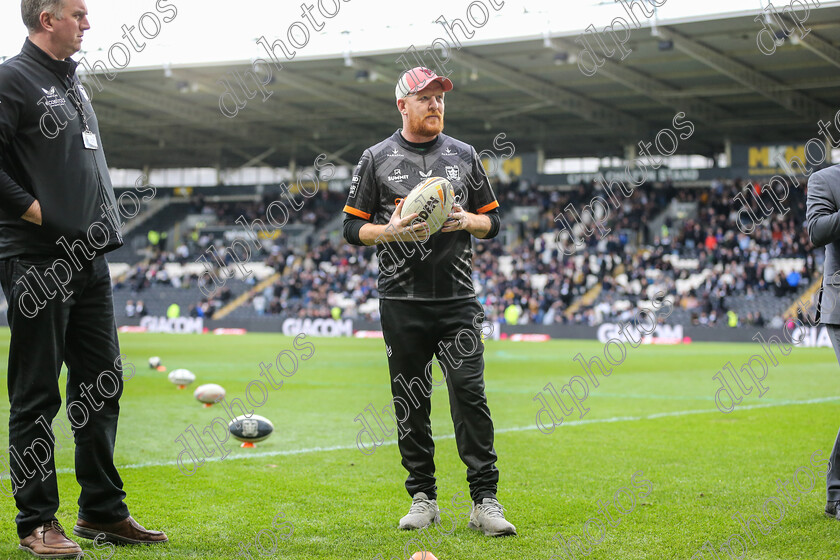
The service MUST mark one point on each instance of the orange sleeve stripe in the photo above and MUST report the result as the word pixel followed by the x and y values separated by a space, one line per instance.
pixel 358 213
pixel 488 207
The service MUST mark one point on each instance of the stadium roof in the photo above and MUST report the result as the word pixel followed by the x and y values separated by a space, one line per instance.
pixel 711 69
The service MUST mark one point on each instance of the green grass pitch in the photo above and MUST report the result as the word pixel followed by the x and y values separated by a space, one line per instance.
pixel 704 466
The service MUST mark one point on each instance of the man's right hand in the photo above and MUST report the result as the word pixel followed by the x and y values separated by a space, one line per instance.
pixel 400 228
pixel 33 214
pixel 397 229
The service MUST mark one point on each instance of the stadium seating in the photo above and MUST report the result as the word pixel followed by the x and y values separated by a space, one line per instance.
pixel 692 250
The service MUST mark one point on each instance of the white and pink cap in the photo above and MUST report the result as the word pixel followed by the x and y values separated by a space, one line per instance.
pixel 418 78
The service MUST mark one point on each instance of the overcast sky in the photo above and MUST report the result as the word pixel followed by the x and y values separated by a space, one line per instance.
pixel 205 31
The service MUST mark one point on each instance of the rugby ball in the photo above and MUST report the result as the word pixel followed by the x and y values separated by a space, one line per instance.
pixel 251 429
pixel 432 200
pixel 209 393
pixel 181 377
pixel 154 363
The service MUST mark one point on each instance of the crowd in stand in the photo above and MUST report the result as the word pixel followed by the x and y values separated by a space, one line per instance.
pixel 316 210
pixel 732 249
pixel 736 245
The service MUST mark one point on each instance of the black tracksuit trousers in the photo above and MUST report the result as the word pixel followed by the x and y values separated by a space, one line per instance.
pixel 81 332
pixel 415 331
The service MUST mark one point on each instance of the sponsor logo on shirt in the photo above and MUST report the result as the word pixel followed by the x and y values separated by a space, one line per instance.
pixel 354 183
pixel 450 152
pixel 397 176
pixel 52 98
pixel 395 153
pixel 426 175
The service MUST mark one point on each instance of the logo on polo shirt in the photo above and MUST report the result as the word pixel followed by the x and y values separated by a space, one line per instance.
pixel 52 98
pixel 395 153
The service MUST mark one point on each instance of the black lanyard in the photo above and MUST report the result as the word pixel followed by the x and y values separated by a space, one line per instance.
pixel 74 94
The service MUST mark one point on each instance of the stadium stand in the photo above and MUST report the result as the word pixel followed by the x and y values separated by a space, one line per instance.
pixel 681 238
pixel 697 253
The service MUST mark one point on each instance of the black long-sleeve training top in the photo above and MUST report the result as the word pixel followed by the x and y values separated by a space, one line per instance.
pixel 442 268
pixel 43 157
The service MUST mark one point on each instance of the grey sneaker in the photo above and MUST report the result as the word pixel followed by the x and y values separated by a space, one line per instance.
pixel 423 512
pixel 831 510
pixel 489 518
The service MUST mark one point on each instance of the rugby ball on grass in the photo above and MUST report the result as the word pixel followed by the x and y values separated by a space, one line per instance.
pixel 209 393
pixel 432 200
pixel 181 377
pixel 251 429
pixel 154 363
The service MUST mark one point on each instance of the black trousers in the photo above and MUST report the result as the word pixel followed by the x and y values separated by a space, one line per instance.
pixel 414 333
pixel 833 474
pixel 81 332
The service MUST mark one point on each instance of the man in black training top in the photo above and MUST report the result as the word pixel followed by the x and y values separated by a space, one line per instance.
pixel 57 221
pixel 427 301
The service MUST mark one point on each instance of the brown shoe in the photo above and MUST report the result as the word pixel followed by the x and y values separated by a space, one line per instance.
pixel 127 531
pixel 50 541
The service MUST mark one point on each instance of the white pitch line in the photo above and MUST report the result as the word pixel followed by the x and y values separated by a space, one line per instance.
pixel 452 436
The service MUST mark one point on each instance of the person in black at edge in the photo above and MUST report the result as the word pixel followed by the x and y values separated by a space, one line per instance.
pixel 427 300
pixel 57 220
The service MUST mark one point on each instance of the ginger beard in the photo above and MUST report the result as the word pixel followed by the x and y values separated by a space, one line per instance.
pixel 425 126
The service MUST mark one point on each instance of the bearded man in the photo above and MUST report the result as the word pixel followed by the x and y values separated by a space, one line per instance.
pixel 427 299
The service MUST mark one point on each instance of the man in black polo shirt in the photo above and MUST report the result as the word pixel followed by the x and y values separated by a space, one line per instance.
pixel 427 300
pixel 57 220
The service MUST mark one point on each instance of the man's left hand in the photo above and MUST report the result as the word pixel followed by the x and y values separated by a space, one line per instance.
pixel 458 219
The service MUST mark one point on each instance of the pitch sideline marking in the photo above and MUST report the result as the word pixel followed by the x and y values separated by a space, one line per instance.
pixel 452 436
